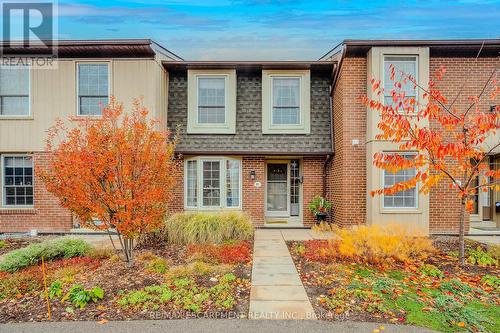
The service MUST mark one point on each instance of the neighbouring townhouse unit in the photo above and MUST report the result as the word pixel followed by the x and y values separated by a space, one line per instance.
pixel 263 137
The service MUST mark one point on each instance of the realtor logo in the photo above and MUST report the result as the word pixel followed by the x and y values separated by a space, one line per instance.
pixel 28 30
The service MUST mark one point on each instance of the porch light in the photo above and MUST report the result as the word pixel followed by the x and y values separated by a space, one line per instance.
pixel 252 175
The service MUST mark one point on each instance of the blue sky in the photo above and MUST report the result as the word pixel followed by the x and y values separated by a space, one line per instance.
pixel 282 29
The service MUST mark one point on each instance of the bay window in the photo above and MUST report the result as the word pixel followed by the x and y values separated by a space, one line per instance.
pixel 212 182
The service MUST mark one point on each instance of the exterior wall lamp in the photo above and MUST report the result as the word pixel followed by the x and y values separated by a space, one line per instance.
pixel 252 175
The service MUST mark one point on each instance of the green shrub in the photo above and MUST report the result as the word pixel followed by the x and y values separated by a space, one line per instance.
pixel 2 244
pixel 80 296
pixel 157 265
pixel 197 268
pixel 431 271
pixel 195 228
pixel 51 249
pixel 480 257
pixel 55 289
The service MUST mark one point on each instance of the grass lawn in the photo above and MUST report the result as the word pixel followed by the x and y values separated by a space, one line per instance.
pixel 168 281
pixel 436 293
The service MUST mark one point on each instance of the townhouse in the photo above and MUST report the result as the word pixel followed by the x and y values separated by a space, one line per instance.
pixel 264 137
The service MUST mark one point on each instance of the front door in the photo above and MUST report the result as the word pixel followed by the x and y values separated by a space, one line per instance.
pixel 277 190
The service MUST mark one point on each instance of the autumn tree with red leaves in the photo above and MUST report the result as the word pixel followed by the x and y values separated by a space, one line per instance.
pixel 450 142
pixel 114 173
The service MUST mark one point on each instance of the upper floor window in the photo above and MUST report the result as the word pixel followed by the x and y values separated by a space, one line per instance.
pixel 212 182
pixel 286 101
pixel 403 199
pixel 211 101
pixel 14 91
pixel 17 180
pixel 93 88
pixel 403 66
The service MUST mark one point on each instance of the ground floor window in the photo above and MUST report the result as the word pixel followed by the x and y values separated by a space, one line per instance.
pixel 17 179
pixel 212 182
pixel 402 199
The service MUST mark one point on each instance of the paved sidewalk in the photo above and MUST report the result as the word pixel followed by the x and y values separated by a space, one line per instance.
pixel 277 291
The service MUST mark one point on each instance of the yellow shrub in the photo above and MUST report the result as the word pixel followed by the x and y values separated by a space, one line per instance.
pixel 375 244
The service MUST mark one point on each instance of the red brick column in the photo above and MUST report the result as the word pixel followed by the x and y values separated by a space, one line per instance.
pixel 253 197
pixel 312 186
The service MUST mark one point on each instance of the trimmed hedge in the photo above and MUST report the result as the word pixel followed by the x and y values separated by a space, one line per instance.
pixel 64 247
pixel 196 228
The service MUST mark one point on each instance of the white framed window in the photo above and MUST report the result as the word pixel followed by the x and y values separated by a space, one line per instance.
pixel 17 180
pixel 93 88
pixel 408 64
pixel 212 183
pixel 407 199
pixel 286 101
pixel 212 101
pixel 14 91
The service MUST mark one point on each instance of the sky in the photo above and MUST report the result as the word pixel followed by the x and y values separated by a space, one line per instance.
pixel 272 30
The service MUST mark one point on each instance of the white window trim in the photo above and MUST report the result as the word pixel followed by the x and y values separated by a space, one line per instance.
pixel 23 116
pixel 414 209
pixel 78 85
pixel 229 126
pixel 3 192
pixel 223 187
pixel 267 102
pixel 416 77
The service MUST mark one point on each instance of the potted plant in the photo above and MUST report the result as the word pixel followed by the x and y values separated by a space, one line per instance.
pixel 319 206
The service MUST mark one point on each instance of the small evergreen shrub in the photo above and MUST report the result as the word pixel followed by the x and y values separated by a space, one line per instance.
pixel 51 249
pixel 196 228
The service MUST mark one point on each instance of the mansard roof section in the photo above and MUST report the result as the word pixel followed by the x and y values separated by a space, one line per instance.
pixel 326 66
pixel 109 48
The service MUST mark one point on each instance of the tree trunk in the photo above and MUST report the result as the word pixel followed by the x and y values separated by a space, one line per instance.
pixel 461 232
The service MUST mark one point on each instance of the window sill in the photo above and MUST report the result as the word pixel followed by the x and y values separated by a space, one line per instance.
pixel 401 211
pixel 17 210
pixel 211 209
pixel 286 130
pixel 16 117
pixel 213 129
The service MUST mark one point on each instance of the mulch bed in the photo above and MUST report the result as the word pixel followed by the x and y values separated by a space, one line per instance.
pixel 114 276
pixel 310 272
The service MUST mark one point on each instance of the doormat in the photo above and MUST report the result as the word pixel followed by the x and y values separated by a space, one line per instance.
pixel 276 222
pixel 486 228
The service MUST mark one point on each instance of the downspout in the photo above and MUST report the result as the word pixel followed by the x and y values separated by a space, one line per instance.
pixel 325 167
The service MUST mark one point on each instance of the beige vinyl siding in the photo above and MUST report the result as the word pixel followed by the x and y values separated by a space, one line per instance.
pixel 53 95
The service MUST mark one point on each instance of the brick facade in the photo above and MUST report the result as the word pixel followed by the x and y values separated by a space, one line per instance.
pixel 347 175
pixel 45 216
pixel 468 75
pixel 254 199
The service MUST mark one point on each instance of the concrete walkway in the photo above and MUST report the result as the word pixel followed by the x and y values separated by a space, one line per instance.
pixel 277 291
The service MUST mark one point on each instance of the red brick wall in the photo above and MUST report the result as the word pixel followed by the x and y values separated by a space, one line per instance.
pixel 347 175
pixel 177 204
pixel 312 186
pixel 254 197
pixel 46 215
pixel 470 74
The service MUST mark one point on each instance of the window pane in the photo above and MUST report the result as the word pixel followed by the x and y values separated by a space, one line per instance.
pixel 407 65
pixel 14 91
pixel 18 180
pixel 211 183
pixel 211 100
pixel 191 190
pixel 286 101
pixel 403 199
pixel 233 183
pixel 93 87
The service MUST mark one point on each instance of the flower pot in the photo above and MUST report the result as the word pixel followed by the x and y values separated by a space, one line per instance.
pixel 320 217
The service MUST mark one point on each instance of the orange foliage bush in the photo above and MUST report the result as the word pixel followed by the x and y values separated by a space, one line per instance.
pixel 371 244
